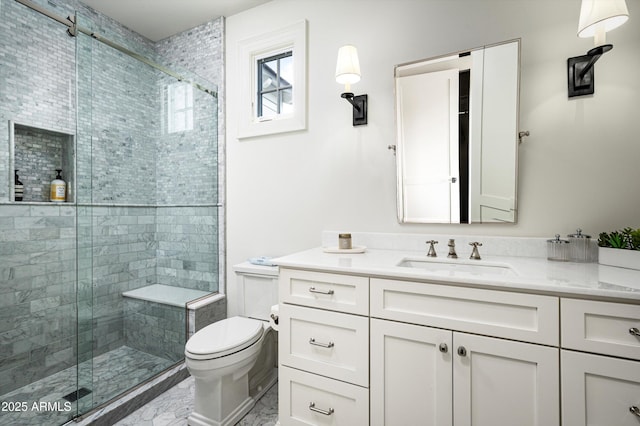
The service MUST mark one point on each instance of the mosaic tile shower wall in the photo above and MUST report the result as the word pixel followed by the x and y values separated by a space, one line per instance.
pixel 131 232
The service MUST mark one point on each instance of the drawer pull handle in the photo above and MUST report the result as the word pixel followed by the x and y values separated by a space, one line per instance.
pixel 462 351
pixel 313 342
pixel 313 290
pixel 312 407
pixel 634 331
pixel 635 410
pixel 443 348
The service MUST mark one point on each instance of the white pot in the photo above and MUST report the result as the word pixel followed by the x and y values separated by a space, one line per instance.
pixel 619 257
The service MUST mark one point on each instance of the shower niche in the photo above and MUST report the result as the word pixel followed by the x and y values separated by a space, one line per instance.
pixel 37 153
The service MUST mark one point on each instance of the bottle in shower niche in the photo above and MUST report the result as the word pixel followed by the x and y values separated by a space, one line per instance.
pixel 58 188
pixel 18 188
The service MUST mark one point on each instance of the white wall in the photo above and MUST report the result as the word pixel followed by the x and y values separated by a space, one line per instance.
pixel 580 166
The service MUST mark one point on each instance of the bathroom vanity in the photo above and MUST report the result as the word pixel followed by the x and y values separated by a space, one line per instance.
pixel 395 338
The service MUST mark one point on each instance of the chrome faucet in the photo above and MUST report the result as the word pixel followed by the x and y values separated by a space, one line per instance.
pixel 475 254
pixel 452 249
pixel 432 251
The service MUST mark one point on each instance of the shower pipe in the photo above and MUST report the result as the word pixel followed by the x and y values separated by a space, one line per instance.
pixel 73 28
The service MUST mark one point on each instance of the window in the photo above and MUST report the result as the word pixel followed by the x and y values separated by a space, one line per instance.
pixel 273 76
pixel 275 85
pixel 180 107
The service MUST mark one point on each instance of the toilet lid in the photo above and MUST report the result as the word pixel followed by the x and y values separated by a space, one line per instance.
pixel 224 337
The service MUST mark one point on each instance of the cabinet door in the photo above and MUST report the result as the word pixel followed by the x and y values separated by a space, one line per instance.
pixel 410 375
pixel 599 390
pixel 504 383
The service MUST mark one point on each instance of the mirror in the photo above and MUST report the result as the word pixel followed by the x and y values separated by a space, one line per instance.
pixel 457 136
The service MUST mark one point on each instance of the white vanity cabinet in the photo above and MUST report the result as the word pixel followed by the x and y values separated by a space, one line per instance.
pixel 323 349
pixel 358 350
pixel 446 376
pixel 600 388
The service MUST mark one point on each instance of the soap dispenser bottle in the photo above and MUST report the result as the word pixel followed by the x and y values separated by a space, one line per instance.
pixel 58 188
pixel 18 188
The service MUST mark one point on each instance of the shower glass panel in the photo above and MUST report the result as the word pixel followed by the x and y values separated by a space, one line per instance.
pixel 37 238
pixel 147 211
pixel 93 291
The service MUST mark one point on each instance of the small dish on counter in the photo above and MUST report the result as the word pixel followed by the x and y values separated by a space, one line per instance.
pixel 352 250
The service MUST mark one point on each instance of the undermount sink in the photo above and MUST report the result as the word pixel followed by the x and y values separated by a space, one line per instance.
pixel 475 267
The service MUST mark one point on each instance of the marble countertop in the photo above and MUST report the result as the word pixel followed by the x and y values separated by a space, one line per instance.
pixel 531 274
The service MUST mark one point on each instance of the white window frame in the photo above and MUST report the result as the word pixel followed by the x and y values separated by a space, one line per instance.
pixel 294 38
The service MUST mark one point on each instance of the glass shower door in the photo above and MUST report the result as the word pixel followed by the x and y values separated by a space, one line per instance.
pixel 147 213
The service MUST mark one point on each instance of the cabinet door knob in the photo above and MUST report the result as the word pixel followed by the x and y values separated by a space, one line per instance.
pixel 635 410
pixel 634 331
pixel 443 348
pixel 462 351
pixel 312 407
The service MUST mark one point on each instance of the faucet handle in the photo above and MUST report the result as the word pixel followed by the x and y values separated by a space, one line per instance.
pixel 432 251
pixel 475 254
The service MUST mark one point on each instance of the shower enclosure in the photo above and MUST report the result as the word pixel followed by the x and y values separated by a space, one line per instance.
pixel 93 291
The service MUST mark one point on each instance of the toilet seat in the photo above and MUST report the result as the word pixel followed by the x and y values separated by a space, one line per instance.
pixel 223 338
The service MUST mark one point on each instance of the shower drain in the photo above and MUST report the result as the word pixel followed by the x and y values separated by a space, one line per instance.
pixel 77 394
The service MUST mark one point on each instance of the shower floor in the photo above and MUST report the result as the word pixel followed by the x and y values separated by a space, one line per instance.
pixel 42 403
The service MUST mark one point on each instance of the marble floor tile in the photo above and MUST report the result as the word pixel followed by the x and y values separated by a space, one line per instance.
pixel 174 406
pixel 108 375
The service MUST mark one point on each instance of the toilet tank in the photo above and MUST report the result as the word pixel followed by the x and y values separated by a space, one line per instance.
pixel 257 289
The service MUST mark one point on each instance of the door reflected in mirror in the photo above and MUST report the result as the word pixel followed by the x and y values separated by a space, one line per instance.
pixel 457 125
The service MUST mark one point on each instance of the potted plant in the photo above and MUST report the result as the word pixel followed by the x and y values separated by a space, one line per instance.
pixel 620 248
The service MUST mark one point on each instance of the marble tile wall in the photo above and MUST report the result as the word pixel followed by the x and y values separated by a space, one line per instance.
pixel 204 314
pixel 37 77
pixel 38 154
pixel 123 257
pixel 124 129
pixel 155 328
pixel 120 138
pixel 37 292
pixel 187 239
pixel 200 50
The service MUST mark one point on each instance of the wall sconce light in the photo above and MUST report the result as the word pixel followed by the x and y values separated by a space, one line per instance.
pixel 596 18
pixel 348 73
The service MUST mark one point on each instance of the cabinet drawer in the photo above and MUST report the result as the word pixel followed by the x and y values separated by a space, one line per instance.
pixel 335 292
pixel 332 344
pixel 601 327
pixel 307 399
pixel 525 317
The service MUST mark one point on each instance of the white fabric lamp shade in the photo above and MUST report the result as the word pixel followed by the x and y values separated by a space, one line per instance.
pixel 348 66
pixel 600 16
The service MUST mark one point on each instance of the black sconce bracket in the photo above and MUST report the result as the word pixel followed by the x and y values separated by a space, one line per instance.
pixel 580 71
pixel 359 107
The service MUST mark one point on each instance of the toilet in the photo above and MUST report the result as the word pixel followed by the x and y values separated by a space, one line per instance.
pixel 234 361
